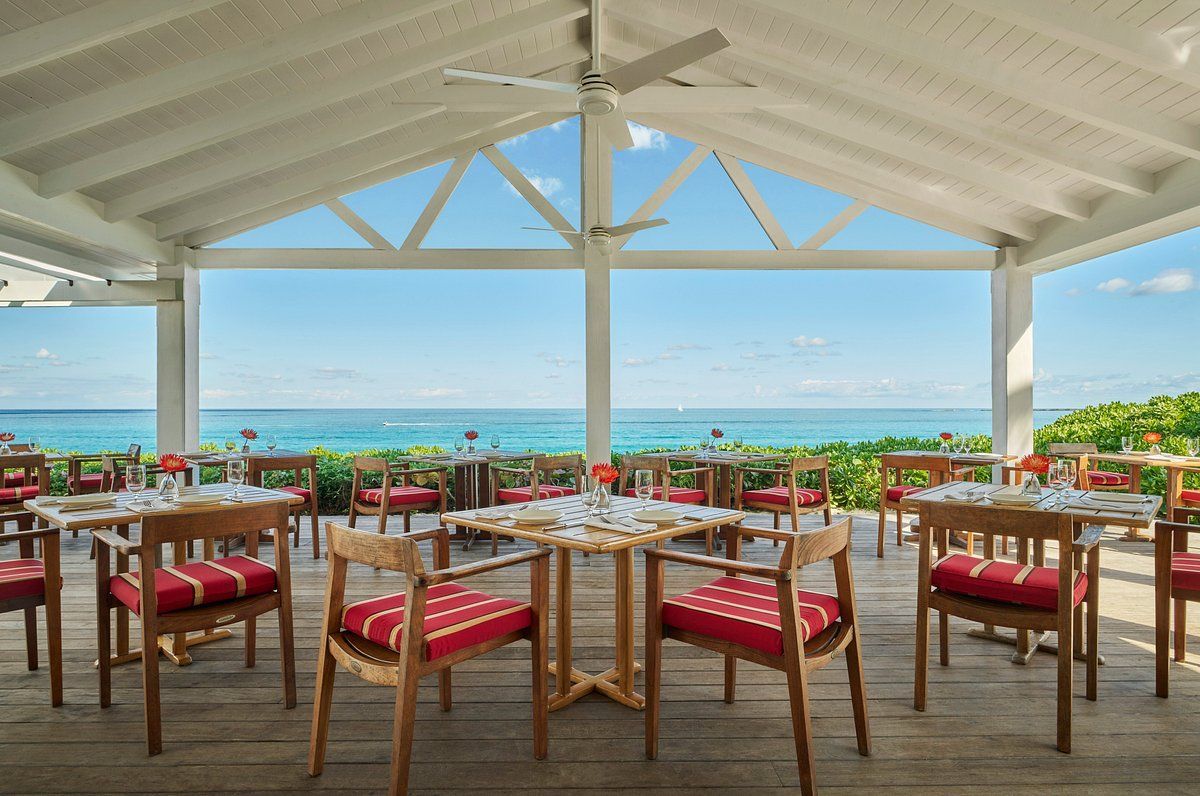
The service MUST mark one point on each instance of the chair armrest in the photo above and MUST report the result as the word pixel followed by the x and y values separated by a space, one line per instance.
pixel 766 470
pixel 513 470
pixel 36 533
pixel 691 470
pixel 422 536
pixel 116 542
pixel 418 471
pixel 479 567
pixel 764 533
pixel 1180 514
pixel 1162 526
pixel 1089 538
pixel 712 562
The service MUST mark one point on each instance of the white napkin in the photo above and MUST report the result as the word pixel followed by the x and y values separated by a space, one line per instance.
pixel 965 497
pixel 153 505
pixel 493 514
pixel 628 526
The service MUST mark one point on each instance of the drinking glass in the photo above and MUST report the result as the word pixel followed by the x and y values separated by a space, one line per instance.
pixel 458 445
pixel 495 442
pixel 235 473
pixel 34 444
pixel 230 445
pixel 272 443
pixel 737 444
pixel 1127 445
pixel 586 495
pixel 135 479
pixel 958 444
pixel 1054 481
pixel 1067 474
pixel 643 485
pixel 1193 446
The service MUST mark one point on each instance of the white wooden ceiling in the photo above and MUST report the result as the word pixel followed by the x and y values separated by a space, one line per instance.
pixel 992 118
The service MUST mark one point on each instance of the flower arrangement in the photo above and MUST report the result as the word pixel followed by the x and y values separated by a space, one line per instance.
pixel 946 436
pixel 172 463
pixel 1152 438
pixel 604 473
pixel 1035 463
pixel 5 438
pixel 472 435
pixel 249 434
pixel 717 433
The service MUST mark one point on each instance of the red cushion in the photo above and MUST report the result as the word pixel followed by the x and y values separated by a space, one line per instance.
pixel 21 578
pixel 679 494
pixel 297 490
pixel 199 583
pixel 400 495
pixel 1003 581
pixel 17 494
pixel 895 493
pixel 779 494
pixel 455 618
pixel 1190 496
pixel 1103 478
pixel 1185 571
pixel 746 612
pixel 17 479
pixel 521 494
pixel 87 480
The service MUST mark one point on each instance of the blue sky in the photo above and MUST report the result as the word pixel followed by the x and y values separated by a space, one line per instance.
pixel 1110 329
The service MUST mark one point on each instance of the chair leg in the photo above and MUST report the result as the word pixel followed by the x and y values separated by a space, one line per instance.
pixel 708 542
pixel 402 733
pixel 943 638
pixel 445 698
pixel 316 533
pixel 653 668
pixel 1162 636
pixel 882 530
pixel 296 519
pixel 251 641
pixel 858 693
pixel 150 690
pixel 1181 630
pixel 899 528
pixel 495 544
pixel 797 680
pixel 1066 656
pixel 775 515
pixel 730 678
pixel 31 651
pixel 921 666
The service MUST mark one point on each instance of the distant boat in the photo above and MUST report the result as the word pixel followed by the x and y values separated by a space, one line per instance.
pixel 386 423
pixel 680 408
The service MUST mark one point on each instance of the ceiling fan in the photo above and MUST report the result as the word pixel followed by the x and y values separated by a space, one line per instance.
pixel 598 93
pixel 602 236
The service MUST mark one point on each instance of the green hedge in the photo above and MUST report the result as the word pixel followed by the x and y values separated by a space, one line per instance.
pixel 854 470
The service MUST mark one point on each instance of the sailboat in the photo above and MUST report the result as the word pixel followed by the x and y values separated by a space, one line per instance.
pixel 679 408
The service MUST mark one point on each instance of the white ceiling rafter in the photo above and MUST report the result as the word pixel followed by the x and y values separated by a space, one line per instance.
pixel 437 202
pixel 835 225
pixel 667 187
pixel 358 224
pixel 754 201
pixel 531 194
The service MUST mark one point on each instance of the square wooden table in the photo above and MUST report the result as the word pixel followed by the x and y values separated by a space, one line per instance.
pixel 722 462
pixel 120 516
pixel 221 458
pixel 957 460
pixel 1136 515
pixel 1175 466
pixel 568 535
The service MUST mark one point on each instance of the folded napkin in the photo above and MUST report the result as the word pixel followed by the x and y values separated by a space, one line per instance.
pixel 106 504
pixel 153 504
pixel 47 500
pixel 1079 503
pixel 624 526
pixel 493 514
pixel 965 497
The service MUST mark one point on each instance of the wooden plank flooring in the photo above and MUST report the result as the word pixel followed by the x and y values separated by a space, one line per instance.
pixel 989 725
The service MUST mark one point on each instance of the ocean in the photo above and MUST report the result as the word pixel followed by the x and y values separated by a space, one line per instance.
pixel 551 430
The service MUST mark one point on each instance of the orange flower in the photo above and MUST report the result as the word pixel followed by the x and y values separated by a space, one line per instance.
pixel 7 436
pixel 472 435
pixel 1035 463
pixel 249 433
pixel 717 433
pixel 604 473
pixel 946 435
pixel 1152 437
pixel 172 463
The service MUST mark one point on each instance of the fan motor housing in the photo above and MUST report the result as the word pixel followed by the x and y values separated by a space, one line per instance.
pixel 596 96
pixel 599 237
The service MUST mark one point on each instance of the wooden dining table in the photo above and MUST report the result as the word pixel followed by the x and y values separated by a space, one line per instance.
pixel 128 509
pixel 472 489
pixel 569 535
pixel 1084 508
pixel 722 462
pixel 1176 467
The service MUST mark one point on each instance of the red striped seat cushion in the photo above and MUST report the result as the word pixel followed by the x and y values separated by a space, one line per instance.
pixel 298 490
pixel 17 494
pixel 779 494
pixel 746 611
pixel 1190 496
pixel 17 479
pixel 87 480
pixel 897 492
pixel 521 494
pixel 1104 478
pixel 22 577
pixel 679 494
pixel 400 495
pixel 1002 581
pixel 1185 571
pixel 455 618
pixel 199 583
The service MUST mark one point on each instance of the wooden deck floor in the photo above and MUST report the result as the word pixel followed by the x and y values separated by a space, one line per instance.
pixel 989 726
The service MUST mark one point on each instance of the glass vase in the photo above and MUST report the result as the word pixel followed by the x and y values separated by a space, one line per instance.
pixel 601 504
pixel 1155 450
pixel 4 449
pixel 944 447
pixel 246 447
pixel 168 488
pixel 1031 485
pixel 471 448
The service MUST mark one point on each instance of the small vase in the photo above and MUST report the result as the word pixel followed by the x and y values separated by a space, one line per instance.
pixel 600 501
pixel 944 447
pixel 471 448
pixel 1031 485
pixel 1155 450
pixel 245 447
pixel 4 449
pixel 168 488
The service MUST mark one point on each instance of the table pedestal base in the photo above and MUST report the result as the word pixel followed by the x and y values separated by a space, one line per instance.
pixel 174 651
pixel 1135 535
pixel 583 684
pixel 1036 645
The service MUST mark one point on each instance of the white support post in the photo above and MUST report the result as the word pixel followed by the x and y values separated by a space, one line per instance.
pixel 596 164
pixel 1012 356
pixel 178 416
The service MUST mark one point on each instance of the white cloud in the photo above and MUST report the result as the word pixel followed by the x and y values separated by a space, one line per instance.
pixel 668 355
pixel 872 388
pixel 687 347
pixel 208 355
pixel 44 353
pixel 725 367
pixel 1114 285
pixel 804 341
pixel 758 356
pixel 557 360
pixel 336 373
pixel 221 393
pixel 435 392
pixel 1170 280
pixel 547 186
pixel 635 362
pixel 538 395
pixel 1074 291
pixel 647 137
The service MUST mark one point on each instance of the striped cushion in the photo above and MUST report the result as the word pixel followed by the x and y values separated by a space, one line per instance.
pixel 779 494
pixel 1003 581
pixel 87 480
pixel 746 612
pixel 1103 478
pixel 521 494
pixel 896 493
pixel 1185 571
pixel 297 490
pixel 455 618
pixel 17 494
pixel 17 479
pixel 679 494
pixel 22 578
pixel 199 583
pixel 1190 496
pixel 400 495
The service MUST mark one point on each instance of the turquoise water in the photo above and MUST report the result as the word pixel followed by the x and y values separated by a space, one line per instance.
pixel 543 429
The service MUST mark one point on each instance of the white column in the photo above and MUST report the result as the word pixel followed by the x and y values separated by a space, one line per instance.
pixel 596 208
pixel 1012 356
pixel 178 322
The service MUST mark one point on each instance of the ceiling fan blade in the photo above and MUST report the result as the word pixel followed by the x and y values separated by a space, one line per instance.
pixel 512 80
pixel 636 226
pixel 636 74
pixel 616 129
pixel 551 229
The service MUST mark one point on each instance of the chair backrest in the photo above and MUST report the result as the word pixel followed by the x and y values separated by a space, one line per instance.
pixel 395 553
pixel 25 462
pixel 544 468
pixel 808 547
pixel 1019 523
pixel 928 464
pixel 799 464
pixel 211 522
pixel 1071 448
pixel 257 465
pixel 659 465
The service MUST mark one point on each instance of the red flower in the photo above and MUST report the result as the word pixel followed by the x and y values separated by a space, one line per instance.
pixel 717 433
pixel 472 435
pixel 946 435
pixel 172 463
pixel 604 473
pixel 1152 437
pixel 7 436
pixel 1035 463
pixel 249 433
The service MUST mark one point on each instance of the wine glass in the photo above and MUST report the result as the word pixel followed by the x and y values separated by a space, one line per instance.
pixel 958 444
pixel 1127 445
pixel 272 443
pixel 643 486
pixel 135 479
pixel 737 444
pixel 458 445
pixel 1067 474
pixel 235 473
pixel 230 445
pixel 495 442
pixel 1193 445
pixel 586 495
pixel 1054 481
pixel 34 444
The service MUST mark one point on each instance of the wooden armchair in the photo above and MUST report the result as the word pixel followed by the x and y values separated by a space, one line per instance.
pixel 34 480
pixel 397 494
pixel 765 619
pixel 893 489
pixel 198 596
pixel 430 626
pixel 81 483
pixel 786 495
pixel 1024 597
pixel 1089 478
pixel 27 582
pixel 1176 579
pixel 305 464
pixel 663 490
